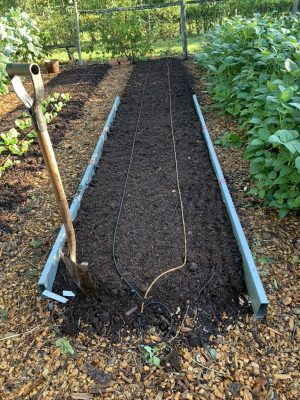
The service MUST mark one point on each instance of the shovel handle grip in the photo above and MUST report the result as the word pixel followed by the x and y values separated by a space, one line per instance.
pixel 22 69
pixel 32 71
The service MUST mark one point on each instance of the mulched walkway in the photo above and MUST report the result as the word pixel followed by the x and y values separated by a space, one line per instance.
pixel 252 360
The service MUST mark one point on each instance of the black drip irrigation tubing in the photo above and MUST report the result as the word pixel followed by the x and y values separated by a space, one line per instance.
pixel 140 318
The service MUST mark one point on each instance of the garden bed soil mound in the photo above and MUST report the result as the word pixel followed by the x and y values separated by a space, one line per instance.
pixel 17 181
pixel 150 235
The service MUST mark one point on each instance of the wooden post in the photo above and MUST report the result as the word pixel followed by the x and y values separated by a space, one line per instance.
pixel 295 6
pixel 77 31
pixel 183 30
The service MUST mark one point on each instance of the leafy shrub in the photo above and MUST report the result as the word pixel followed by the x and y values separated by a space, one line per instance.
pixel 229 140
pixel 19 41
pixel 254 73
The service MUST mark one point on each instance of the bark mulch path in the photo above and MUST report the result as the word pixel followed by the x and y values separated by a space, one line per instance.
pixel 252 360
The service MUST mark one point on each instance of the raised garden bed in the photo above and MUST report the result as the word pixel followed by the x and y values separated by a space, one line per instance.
pixel 150 236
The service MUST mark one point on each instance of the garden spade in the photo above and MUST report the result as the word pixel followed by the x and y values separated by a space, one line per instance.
pixel 79 272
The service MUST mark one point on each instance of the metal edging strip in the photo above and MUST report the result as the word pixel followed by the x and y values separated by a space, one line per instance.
pixel 257 295
pixel 49 272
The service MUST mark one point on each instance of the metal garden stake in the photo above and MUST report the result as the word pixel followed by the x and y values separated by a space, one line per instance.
pixel 79 272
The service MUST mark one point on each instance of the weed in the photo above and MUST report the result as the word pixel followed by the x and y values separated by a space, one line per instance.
pixel 150 355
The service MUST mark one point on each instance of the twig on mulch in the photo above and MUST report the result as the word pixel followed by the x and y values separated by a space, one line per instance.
pixel 20 334
pixel 208 368
pixel 181 325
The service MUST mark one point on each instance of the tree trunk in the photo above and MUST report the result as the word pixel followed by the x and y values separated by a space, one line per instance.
pixel 183 30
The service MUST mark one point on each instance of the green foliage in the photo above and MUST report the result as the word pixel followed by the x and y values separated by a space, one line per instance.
pixel 3 315
pixel 254 73
pixel 10 142
pixel 150 356
pixel 126 36
pixel 131 34
pixel 19 41
pixel 204 16
pixel 229 140
pixel 64 345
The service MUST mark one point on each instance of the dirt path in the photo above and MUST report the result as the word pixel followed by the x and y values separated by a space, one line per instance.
pixel 150 235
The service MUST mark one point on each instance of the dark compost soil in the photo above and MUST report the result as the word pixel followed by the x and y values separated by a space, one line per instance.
pixel 17 181
pixel 150 235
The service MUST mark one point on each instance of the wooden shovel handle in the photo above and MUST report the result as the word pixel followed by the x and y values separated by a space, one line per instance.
pixel 52 168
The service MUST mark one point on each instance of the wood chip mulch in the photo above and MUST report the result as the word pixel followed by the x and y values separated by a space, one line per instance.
pixel 253 360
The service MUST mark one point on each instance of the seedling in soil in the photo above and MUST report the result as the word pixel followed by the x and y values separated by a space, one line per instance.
pixel 64 345
pixel 265 260
pixel 24 123
pixel 229 140
pixel 10 142
pixel 150 356
pixel 36 243
pixel 3 315
pixel 275 284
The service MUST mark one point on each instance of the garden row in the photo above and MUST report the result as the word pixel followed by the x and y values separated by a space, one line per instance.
pixel 254 73
pixel 16 141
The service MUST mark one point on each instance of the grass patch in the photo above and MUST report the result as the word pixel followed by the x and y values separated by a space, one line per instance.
pixel 161 48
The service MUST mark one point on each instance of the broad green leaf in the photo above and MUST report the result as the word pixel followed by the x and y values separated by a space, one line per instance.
pixel 293 146
pixel 296 202
pixel 263 134
pixel 285 170
pixel 212 68
pixel 274 139
pixel 290 65
pixel 287 94
pixel 2 149
pixel 155 361
pixel 297 164
pixel 148 349
pixel 14 148
pixel 283 212
pixel 271 86
pixel 3 315
pixel 64 346
pixel 297 105
pixel 286 135
pixel 256 142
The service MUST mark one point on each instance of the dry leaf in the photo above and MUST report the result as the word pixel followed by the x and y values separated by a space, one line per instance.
pixel 82 396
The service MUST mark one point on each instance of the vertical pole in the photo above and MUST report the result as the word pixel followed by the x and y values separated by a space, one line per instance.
pixel 295 6
pixel 183 30
pixel 77 31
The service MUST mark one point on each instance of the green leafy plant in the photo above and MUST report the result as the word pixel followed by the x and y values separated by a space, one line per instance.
pixel 3 315
pixel 150 355
pixel 253 69
pixel 229 140
pixel 36 243
pixel 64 345
pixel 19 41
pixel 10 142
